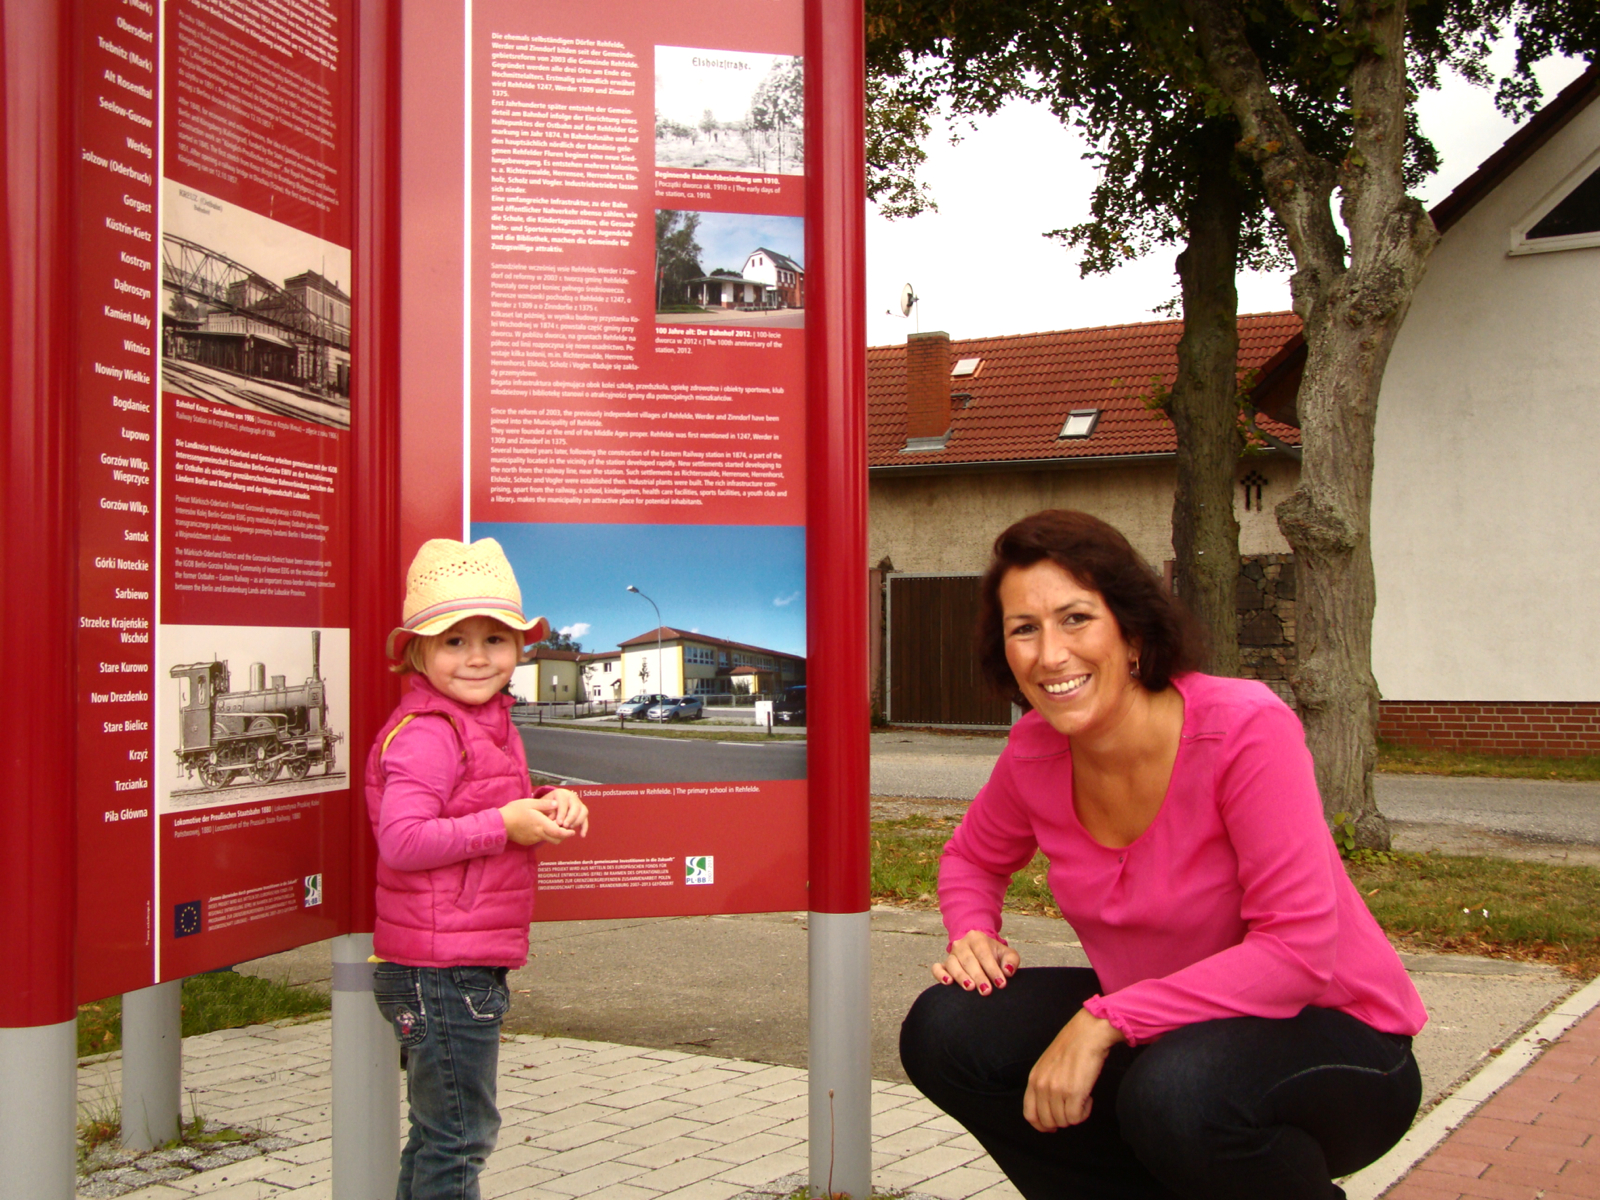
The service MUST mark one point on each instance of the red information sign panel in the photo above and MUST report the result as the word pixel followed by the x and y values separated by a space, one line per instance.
pixel 629 391
pixel 214 609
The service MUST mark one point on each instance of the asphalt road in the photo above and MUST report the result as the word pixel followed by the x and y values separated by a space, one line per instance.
pixel 1517 817
pixel 1535 810
pixel 592 757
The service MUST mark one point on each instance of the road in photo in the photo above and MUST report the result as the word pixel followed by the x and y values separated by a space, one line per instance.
pixel 587 757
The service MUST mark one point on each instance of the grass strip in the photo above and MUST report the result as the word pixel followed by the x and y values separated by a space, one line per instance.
pixel 1406 760
pixel 220 1000
pixel 1499 908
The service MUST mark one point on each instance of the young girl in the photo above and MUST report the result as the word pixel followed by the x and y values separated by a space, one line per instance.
pixel 448 795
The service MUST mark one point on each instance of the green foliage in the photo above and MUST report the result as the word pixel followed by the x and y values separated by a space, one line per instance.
pixel 560 640
pixel 677 253
pixel 220 1000
pixel 896 130
pixel 1343 828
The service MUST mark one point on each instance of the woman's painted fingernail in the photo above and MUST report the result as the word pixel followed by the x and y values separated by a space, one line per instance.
pixel 1011 968
pixel 946 978
pixel 984 989
pixel 967 983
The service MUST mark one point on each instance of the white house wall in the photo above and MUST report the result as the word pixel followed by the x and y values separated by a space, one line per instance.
pixel 1487 475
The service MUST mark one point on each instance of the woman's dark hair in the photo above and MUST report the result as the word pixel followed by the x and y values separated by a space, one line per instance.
pixel 1098 557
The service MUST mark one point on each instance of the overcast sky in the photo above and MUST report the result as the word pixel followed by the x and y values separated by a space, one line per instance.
pixel 982 268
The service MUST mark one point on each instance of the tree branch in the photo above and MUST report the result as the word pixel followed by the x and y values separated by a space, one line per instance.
pixel 1299 184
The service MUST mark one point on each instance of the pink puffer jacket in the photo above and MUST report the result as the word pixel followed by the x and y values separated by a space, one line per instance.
pixel 452 890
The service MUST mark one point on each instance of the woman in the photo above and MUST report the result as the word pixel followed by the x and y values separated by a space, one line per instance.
pixel 1245 1029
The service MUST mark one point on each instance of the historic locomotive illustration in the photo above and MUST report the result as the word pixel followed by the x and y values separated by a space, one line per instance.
pixel 258 733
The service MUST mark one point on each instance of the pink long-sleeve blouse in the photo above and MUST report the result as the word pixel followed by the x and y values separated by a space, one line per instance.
pixel 1232 903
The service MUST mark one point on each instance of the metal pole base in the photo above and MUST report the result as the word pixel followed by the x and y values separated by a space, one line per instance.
pixel 841 1054
pixel 152 1065
pixel 38 1111
pixel 366 1080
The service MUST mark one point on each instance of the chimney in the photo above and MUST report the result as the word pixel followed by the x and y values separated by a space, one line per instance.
pixel 927 387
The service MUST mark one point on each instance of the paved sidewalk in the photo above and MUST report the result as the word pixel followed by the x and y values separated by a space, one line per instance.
pixel 1537 1137
pixel 595 1119
pixel 588 1119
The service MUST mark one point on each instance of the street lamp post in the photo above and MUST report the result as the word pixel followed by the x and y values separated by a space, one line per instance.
pixel 657 607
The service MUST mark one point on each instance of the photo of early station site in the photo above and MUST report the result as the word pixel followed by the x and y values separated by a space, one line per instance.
pixel 253 313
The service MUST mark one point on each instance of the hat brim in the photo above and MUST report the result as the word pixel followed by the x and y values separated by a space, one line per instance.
pixel 535 630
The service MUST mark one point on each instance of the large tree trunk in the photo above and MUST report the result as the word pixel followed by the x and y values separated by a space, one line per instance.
pixel 1352 307
pixel 1203 404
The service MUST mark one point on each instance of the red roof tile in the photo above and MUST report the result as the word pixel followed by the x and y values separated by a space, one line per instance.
pixel 1029 383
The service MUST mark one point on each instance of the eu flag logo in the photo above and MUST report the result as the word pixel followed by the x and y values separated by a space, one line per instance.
pixel 185 919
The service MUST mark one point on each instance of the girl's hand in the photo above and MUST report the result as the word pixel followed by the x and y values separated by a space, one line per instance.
pixel 1060 1083
pixel 566 810
pixel 527 824
pixel 979 960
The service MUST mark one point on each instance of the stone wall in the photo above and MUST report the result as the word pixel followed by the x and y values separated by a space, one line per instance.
pixel 1266 620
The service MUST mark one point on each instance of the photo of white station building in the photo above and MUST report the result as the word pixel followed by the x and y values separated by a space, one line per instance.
pixel 686 664
pixel 767 280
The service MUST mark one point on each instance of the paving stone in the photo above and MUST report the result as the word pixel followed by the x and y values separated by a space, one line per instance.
pixel 935 1161
pixel 604 1174
pixel 760 1170
pixel 660 1131
pixel 960 1184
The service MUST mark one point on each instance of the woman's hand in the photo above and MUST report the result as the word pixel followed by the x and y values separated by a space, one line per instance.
pixel 528 824
pixel 566 810
pixel 978 961
pixel 1060 1082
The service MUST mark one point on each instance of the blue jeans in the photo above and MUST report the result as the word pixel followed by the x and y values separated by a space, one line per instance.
pixel 1243 1108
pixel 448 1022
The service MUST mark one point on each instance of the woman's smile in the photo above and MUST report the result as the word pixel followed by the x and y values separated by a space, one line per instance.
pixel 1066 650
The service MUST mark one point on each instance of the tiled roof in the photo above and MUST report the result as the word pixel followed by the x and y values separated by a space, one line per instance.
pixel 1518 148
pixel 1029 383
pixel 669 634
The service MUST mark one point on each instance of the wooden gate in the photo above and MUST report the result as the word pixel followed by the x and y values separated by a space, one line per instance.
pixel 933 667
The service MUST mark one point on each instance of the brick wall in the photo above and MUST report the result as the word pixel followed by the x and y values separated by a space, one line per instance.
pixel 927 384
pixel 1492 727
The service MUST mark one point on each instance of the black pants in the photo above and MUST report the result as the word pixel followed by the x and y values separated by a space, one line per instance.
pixel 1246 1108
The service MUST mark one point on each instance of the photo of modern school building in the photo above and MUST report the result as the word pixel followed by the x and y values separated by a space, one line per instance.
pixel 680 663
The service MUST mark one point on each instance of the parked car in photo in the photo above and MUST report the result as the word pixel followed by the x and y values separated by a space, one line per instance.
pixel 677 708
pixel 637 706
pixel 790 707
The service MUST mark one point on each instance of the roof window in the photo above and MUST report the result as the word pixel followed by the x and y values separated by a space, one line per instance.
pixel 1080 423
pixel 964 367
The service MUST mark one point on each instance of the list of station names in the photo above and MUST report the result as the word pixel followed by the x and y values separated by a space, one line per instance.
pixel 119 295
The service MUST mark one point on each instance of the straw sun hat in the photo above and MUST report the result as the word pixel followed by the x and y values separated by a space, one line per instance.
pixel 450 581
